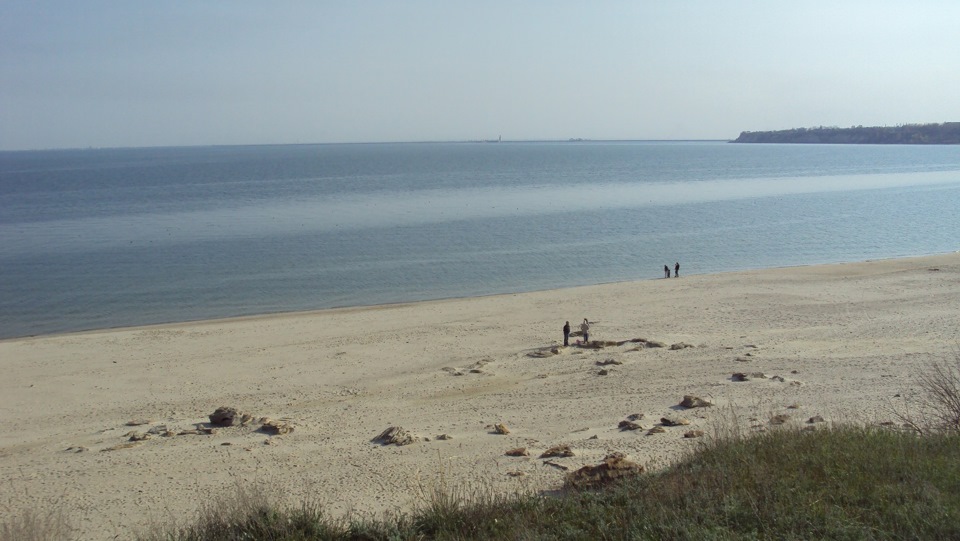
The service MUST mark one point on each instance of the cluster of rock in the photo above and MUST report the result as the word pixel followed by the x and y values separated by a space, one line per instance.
pixel 544 352
pixel 748 376
pixel 693 401
pixel 644 343
pixel 615 466
pixel 222 417
pixel 600 344
pixel 163 431
pixel 396 435
pixel 631 423
pixel 557 451
pixel 641 343
pixel 475 368
pixel 743 376
pixel 274 427
pixel 226 416
pixel 607 362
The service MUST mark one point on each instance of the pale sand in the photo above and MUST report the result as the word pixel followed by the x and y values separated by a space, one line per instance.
pixel 847 339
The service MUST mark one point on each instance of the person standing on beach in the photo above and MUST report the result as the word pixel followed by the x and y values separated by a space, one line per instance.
pixel 585 329
pixel 566 334
pixel 666 271
pixel 676 270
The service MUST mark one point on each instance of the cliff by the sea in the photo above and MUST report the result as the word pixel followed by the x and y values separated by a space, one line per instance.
pixel 947 133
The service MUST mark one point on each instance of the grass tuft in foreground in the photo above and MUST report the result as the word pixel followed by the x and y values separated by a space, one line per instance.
pixel 36 524
pixel 841 483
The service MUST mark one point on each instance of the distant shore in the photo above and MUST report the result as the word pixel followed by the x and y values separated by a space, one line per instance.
pixel 841 341
pixel 947 133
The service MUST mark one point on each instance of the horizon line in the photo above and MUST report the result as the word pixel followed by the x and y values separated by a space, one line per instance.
pixel 451 141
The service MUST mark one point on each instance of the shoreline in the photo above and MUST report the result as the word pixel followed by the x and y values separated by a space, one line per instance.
pixel 842 341
pixel 336 309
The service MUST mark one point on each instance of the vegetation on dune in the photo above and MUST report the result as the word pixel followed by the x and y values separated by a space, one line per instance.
pixel 841 483
pixel 31 524
pixel 947 133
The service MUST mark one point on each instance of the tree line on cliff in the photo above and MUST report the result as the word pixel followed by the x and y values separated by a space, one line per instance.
pixel 947 133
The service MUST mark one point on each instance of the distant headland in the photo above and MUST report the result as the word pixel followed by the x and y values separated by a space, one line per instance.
pixel 947 133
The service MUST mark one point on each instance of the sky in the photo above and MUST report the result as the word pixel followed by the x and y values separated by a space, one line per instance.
pixel 216 72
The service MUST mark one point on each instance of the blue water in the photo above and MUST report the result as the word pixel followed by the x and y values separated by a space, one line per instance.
pixel 104 238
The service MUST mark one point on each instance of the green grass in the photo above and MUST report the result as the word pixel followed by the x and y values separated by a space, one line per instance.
pixel 841 483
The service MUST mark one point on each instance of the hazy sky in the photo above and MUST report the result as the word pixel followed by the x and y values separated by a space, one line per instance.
pixel 135 73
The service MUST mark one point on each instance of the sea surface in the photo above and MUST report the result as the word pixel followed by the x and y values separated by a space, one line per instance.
pixel 102 238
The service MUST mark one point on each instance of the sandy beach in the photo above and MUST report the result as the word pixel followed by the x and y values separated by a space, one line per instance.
pixel 843 342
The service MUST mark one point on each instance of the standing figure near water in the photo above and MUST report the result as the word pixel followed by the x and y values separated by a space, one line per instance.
pixel 566 334
pixel 666 271
pixel 585 329
pixel 676 270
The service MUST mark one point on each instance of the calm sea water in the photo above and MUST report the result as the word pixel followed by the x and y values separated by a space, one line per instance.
pixel 104 238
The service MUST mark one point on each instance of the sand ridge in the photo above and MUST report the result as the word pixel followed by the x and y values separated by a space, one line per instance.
pixel 844 341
